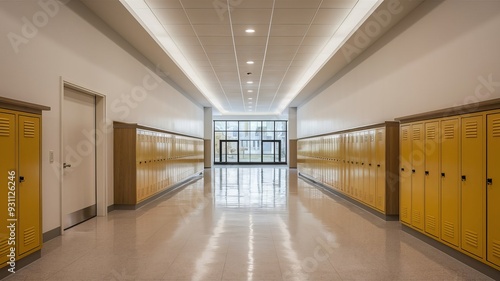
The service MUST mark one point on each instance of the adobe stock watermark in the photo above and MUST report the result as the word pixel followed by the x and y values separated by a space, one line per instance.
pixel 32 25
pixel 371 29
pixel 309 265
pixel 122 107
pixel 222 7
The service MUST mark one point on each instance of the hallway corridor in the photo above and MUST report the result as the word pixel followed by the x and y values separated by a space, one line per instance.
pixel 243 223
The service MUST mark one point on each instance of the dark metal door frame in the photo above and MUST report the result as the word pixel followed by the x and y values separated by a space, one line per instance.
pixel 225 154
pixel 274 150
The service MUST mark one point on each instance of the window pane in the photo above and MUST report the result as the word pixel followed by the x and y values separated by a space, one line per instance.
pixel 244 135
pixel 268 125
pixel 255 125
pixel 232 125
pixel 245 151
pixel 220 125
pixel 280 126
pixel 232 135
pixel 244 126
pixel 268 135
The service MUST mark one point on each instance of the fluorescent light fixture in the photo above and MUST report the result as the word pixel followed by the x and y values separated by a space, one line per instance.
pixel 250 91
pixel 249 82
pixel 250 98
pixel 250 62
pixel 250 30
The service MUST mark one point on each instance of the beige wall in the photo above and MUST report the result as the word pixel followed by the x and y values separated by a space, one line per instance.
pixel 440 56
pixel 70 42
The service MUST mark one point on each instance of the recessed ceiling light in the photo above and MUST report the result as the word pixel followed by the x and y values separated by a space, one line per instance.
pixel 250 62
pixel 249 82
pixel 250 98
pixel 250 30
pixel 250 91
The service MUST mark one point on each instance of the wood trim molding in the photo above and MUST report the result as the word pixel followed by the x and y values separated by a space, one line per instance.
pixel 122 125
pixel 22 106
pixel 367 127
pixel 452 111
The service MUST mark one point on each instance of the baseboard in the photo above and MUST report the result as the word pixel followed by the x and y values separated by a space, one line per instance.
pixel 4 272
pixel 111 208
pixel 51 234
pixel 477 265
pixel 329 191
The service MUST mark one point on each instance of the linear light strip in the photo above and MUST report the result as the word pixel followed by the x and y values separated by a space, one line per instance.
pixel 295 55
pixel 205 52
pixel 236 54
pixel 265 55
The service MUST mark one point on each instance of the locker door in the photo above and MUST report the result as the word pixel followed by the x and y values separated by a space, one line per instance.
pixel 405 175
pixel 450 183
pixel 379 166
pixel 372 169
pixel 432 178
pixel 493 182
pixel 29 189
pixel 473 175
pixel 417 176
pixel 7 164
pixel 368 196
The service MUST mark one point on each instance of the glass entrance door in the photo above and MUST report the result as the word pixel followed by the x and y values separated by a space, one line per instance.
pixel 229 151
pixel 271 151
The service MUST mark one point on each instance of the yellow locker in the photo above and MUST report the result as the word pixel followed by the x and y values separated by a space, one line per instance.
pixel 432 178
pixel 379 163
pixel 405 175
pixel 365 174
pixel 473 182
pixel 493 189
pixel 29 230
pixel 450 183
pixel 417 176
pixel 7 165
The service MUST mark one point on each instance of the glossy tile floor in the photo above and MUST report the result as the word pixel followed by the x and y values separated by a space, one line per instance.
pixel 243 223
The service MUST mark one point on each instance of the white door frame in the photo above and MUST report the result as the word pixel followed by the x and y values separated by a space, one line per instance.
pixel 101 149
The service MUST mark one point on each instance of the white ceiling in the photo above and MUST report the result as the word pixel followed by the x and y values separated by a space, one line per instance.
pixel 206 43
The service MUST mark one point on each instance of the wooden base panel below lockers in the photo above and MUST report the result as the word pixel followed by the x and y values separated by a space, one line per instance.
pixel 148 161
pixel 361 163
pixel 450 178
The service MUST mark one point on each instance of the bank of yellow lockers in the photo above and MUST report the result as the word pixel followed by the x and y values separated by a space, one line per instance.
pixel 493 188
pixel 20 149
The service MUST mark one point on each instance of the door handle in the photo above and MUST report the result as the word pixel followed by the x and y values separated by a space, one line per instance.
pixel 464 178
pixel 66 165
pixel 489 181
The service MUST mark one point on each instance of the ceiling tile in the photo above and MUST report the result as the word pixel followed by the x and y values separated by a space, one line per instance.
pixel 293 16
pixel 212 30
pixel 288 30
pixel 167 4
pixel 250 40
pixel 205 16
pixel 289 40
pixel 297 4
pixel 171 16
pixel 216 40
pixel 323 30
pixel 339 4
pixel 331 16
pixel 251 16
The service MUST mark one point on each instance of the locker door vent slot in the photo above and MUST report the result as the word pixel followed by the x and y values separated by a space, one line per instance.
pixel 404 134
pixel 495 248
pixel 449 229
pixel 404 212
pixel 417 218
pixel 431 133
pixel 4 247
pixel 416 133
pixel 471 238
pixel 4 127
pixel 471 130
pixel 496 128
pixel 431 222
pixel 29 129
pixel 449 132
pixel 29 236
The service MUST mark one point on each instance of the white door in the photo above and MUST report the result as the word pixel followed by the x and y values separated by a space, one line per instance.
pixel 79 155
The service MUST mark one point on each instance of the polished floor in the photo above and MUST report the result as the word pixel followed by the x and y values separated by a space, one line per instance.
pixel 243 223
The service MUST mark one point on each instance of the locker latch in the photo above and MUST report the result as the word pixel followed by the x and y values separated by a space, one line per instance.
pixel 413 171
pixel 426 173
pixel 489 181
pixel 443 175
pixel 21 179
pixel 464 178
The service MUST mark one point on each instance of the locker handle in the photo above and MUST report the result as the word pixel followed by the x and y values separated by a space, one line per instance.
pixel 464 178
pixel 370 164
pixel 426 173
pixel 362 163
pixel 443 175
pixel 413 171
pixel 489 181
pixel 21 179
pixel 402 169
pixel 378 165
